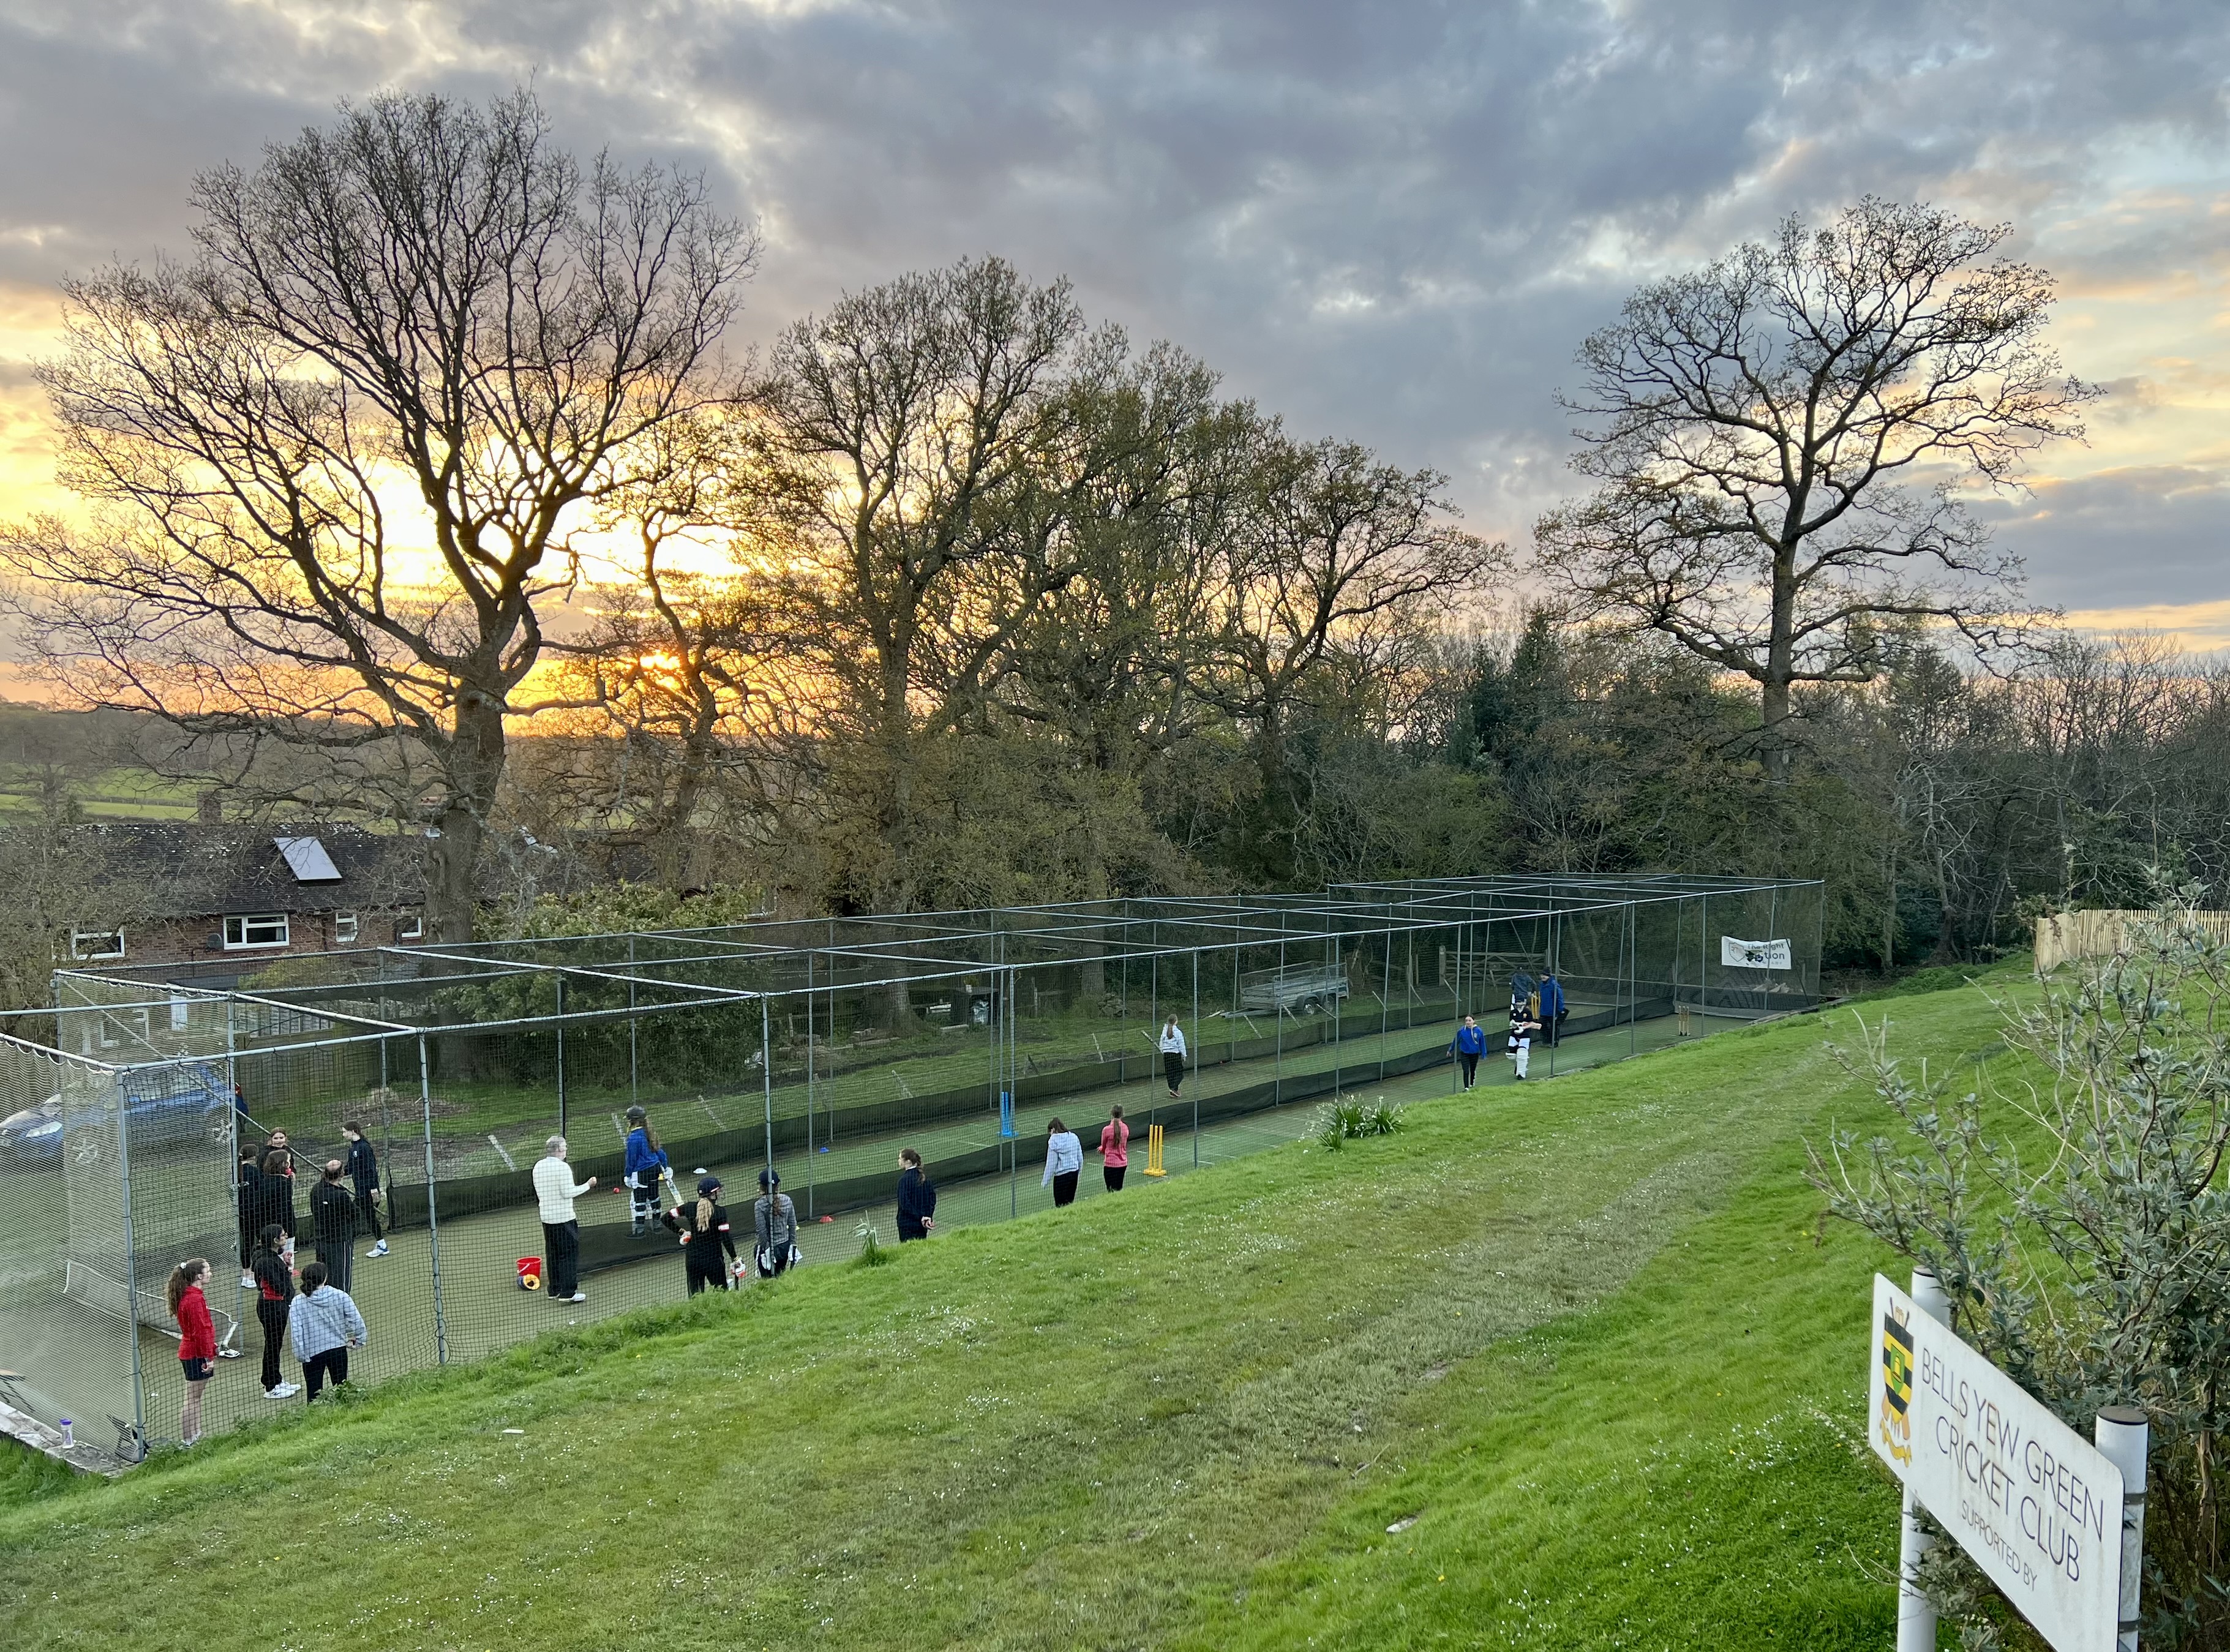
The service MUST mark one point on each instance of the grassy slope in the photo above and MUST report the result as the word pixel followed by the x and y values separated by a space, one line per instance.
pixel 1587 1333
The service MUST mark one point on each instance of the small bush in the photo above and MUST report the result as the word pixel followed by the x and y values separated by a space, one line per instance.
pixel 872 1253
pixel 1349 1117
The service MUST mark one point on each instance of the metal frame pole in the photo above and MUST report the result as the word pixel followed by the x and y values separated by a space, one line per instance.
pixel 561 1056
pixel 2122 1434
pixel 433 1216
pixel 766 1076
pixel 634 1022
pixel 1195 1066
pixel 1916 1613
pixel 130 1264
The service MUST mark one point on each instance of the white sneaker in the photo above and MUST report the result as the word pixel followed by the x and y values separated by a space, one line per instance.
pixel 379 1250
pixel 247 1279
pixel 282 1391
pixel 576 1297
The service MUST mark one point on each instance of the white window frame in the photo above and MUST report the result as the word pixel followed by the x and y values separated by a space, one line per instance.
pixel 236 931
pixel 410 926
pixel 345 928
pixel 80 937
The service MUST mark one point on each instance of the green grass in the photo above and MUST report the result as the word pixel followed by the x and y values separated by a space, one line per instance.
pixel 1589 1335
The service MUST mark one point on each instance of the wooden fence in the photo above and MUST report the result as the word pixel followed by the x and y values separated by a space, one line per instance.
pixel 2096 934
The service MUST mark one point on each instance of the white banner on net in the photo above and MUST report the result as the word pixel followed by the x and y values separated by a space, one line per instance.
pixel 1754 955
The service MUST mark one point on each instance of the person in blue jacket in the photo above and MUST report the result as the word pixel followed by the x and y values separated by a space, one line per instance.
pixel 1469 1044
pixel 1553 1010
pixel 646 1162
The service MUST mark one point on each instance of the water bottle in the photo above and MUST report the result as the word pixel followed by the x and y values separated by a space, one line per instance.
pixel 69 1434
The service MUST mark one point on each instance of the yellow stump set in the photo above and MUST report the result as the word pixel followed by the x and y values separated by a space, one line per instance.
pixel 1154 1151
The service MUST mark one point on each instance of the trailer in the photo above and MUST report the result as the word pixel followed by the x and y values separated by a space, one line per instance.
pixel 1304 989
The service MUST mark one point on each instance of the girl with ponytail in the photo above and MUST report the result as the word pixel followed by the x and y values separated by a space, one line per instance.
pixel 705 1235
pixel 197 1339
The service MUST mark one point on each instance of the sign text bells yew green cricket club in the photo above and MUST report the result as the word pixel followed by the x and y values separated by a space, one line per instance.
pixel 2036 1505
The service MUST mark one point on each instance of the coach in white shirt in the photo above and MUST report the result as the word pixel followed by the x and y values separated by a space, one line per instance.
pixel 561 1234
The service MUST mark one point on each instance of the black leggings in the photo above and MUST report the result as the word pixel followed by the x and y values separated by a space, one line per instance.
pixel 1470 1066
pixel 1112 1175
pixel 1064 1187
pixel 1173 1070
pixel 333 1363
pixel 699 1281
pixel 272 1316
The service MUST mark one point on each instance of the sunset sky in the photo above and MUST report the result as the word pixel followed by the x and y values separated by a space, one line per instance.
pixel 1393 222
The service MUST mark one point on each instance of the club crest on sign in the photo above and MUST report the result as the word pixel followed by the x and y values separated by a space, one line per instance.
pixel 1897 1385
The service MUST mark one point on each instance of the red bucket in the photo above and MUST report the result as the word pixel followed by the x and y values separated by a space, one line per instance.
pixel 530 1273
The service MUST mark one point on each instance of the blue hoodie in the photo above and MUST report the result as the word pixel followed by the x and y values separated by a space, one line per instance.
pixel 1470 1041
pixel 641 1155
pixel 1552 999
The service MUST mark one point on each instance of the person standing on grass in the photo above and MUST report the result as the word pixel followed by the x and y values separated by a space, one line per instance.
pixel 1114 1149
pixel 708 1239
pixel 555 1189
pixel 325 1325
pixel 1172 1046
pixel 274 1290
pixel 916 1198
pixel 774 1224
pixel 1469 1044
pixel 197 1339
pixel 364 1176
pixel 1063 1162
pixel 333 1222
pixel 1522 1029
pixel 646 1162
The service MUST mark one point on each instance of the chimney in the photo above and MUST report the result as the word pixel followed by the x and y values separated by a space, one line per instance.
pixel 208 807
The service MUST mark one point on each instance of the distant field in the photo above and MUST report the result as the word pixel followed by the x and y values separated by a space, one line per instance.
pixel 1587 1343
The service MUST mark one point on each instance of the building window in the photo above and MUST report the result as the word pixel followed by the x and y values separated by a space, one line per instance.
pixel 411 925
pixel 256 929
pixel 88 945
pixel 343 928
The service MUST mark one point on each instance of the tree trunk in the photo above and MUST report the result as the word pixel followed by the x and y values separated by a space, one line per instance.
pixel 476 759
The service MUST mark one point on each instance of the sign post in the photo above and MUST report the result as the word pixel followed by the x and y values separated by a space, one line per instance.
pixel 2041 1509
pixel 1916 1613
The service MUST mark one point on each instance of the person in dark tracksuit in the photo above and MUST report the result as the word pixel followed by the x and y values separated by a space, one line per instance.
pixel 332 1224
pixel 1469 1044
pixel 276 1206
pixel 1553 1011
pixel 274 1291
pixel 917 1197
pixel 364 1176
pixel 250 1175
pixel 708 1239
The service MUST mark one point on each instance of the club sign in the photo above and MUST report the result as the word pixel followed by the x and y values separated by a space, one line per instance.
pixel 2037 1505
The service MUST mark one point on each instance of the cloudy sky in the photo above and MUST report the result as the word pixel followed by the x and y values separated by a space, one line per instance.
pixel 1391 221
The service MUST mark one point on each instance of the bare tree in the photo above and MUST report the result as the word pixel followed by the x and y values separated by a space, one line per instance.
pixel 342 460
pixel 920 422
pixel 1334 551
pixel 1781 439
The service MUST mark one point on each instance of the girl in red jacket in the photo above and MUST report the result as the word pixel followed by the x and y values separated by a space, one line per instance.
pixel 197 1339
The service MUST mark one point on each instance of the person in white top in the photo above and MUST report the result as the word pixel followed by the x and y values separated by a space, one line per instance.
pixel 1173 1056
pixel 556 1189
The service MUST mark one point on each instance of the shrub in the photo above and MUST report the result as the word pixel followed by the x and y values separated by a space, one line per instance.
pixel 872 1253
pixel 1347 1117
pixel 2100 1275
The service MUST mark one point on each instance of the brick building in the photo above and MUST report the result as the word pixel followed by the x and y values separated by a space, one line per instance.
pixel 214 893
